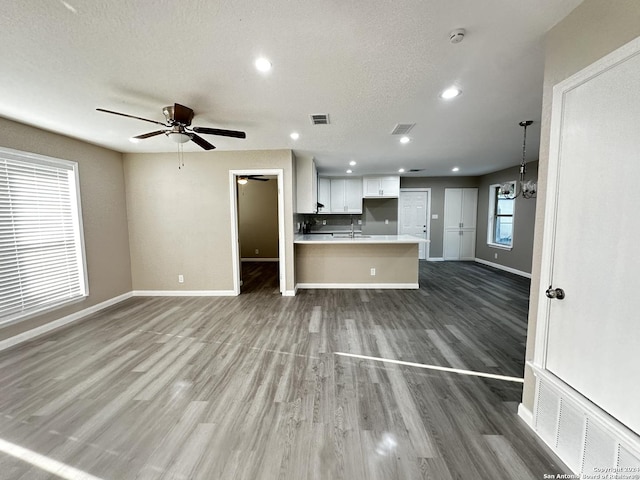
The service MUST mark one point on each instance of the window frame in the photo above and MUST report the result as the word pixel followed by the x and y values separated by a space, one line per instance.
pixel 78 233
pixel 493 215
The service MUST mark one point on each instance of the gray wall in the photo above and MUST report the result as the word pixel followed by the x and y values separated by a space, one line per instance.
pixel 375 212
pixel 594 29
pixel 258 219
pixel 437 186
pixel 104 215
pixel 519 257
pixel 180 220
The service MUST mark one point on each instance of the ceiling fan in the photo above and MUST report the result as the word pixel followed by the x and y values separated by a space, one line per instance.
pixel 243 179
pixel 178 126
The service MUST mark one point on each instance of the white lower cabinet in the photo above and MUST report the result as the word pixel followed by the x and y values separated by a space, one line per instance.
pixel 459 245
pixel 460 214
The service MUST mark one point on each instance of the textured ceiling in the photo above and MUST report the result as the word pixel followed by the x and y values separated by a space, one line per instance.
pixel 368 64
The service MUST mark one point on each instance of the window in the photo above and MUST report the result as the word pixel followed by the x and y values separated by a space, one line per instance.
pixel 41 246
pixel 501 213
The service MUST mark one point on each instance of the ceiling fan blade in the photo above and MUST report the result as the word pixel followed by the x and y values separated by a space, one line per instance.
pixel 182 115
pixel 202 142
pixel 217 131
pixel 130 116
pixel 150 134
pixel 258 178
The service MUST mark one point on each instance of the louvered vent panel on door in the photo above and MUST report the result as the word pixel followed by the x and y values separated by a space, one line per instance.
pixel 585 437
pixel 569 438
pixel 547 413
pixel 599 449
pixel 627 461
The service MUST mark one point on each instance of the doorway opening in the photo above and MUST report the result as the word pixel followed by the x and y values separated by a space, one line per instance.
pixel 257 228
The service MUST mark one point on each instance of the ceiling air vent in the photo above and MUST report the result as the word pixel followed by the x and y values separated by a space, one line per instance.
pixel 414 170
pixel 402 128
pixel 319 119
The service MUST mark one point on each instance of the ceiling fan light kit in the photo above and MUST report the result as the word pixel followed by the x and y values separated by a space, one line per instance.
pixel 177 127
pixel 179 137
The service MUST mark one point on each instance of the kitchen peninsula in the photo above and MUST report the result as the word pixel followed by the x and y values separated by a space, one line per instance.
pixel 359 261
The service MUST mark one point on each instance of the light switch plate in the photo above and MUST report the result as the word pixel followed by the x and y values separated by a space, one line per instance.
pixel 434 216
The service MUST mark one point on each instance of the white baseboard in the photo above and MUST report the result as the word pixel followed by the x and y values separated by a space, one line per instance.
pixel 251 259
pixel 184 293
pixel 289 293
pixel 398 286
pixel 526 415
pixel 502 267
pixel 435 259
pixel 47 327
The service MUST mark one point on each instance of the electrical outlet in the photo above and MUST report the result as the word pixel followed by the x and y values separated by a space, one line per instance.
pixel 359 222
pixel 495 255
pixel 373 272
pixel 180 278
pixel 324 222
pixel 434 216
pixel 257 251
pixel 386 221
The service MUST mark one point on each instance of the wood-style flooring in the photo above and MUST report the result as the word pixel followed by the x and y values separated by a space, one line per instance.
pixel 253 387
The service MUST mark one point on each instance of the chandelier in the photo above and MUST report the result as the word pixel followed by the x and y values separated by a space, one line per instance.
pixel 526 188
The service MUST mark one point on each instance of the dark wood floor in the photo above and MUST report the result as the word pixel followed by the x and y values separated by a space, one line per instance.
pixel 252 387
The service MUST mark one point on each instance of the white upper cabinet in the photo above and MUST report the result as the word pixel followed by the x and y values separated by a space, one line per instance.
pixel 377 187
pixel 346 195
pixel 306 186
pixel 324 195
pixel 340 195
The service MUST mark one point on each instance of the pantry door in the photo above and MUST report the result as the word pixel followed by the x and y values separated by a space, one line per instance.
pixel 590 339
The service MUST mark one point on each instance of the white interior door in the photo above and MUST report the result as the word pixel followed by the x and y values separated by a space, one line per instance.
pixel 591 238
pixel 414 212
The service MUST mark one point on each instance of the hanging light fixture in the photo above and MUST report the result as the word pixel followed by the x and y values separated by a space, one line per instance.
pixel 526 188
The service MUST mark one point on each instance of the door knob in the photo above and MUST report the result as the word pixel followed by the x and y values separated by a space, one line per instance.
pixel 554 293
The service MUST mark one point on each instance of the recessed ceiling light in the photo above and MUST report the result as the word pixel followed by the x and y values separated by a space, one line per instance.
pixel 349 171
pixel 295 135
pixel 450 93
pixel 262 64
pixel 455 169
pixel 352 163
pixel 401 170
pixel 134 140
pixel 405 140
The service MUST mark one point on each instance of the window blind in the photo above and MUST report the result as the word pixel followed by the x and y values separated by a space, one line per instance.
pixel 41 251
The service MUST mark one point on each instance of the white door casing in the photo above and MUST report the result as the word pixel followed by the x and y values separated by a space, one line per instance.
pixel 414 212
pixel 591 338
pixel 235 246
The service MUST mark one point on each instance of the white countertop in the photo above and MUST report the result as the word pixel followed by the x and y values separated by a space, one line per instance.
pixel 342 239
